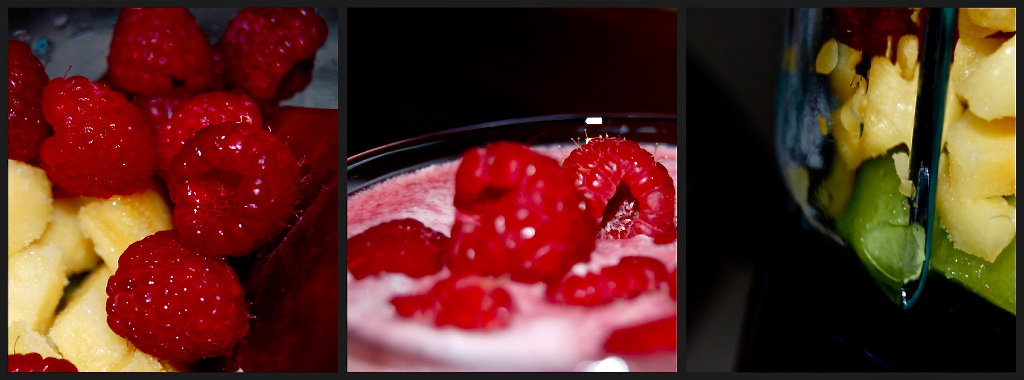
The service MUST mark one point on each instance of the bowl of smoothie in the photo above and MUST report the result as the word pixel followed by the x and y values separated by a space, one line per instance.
pixel 538 325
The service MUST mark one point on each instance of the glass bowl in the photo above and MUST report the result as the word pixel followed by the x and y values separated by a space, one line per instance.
pixel 76 41
pixel 371 167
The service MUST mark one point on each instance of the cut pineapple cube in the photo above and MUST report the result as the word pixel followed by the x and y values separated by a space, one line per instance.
pixel 115 223
pixel 82 335
pixel 889 117
pixel 1001 19
pixel 843 79
pixel 35 283
pixel 79 255
pixel 22 339
pixel 980 226
pixel 966 55
pixel 983 157
pixel 968 28
pixel 906 56
pixel 991 89
pixel 29 202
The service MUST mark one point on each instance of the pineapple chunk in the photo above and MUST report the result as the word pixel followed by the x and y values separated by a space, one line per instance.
pixel 115 223
pixel 79 255
pixel 979 226
pixel 143 362
pixel 983 157
pixel 1001 19
pixel 906 56
pixel 35 283
pixel 991 89
pixel 29 202
pixel 889 117
pixel 843 79
pixel 966 54
pixel 22 339
pixel 828 57
pixel 83 336
pixel 968 28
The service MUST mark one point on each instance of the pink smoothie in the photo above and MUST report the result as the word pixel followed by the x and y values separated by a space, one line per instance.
pixel 542 336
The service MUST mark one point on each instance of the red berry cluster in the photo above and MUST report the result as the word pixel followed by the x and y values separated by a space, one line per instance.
pixel 175 108
pixel 34 362
pixel 522 216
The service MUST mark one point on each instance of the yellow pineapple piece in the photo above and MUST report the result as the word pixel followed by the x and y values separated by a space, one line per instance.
pixel 983 157
pixel 889 117
pixel 843 78
pixel 1001 19
pixel 115 223
pixel 35 284
pixel 991 89
pixel 967 53
pixel 143 362
pixel 82 335
pixel 906 56
pixel 29 202
pixel 968 28
pixel 79 255
pixel 978 226
pixel 21 339
pixel 828 57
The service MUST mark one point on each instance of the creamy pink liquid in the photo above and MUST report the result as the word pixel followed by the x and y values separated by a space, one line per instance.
pixel 542 336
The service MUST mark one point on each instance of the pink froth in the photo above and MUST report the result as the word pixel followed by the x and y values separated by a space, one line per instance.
pixel 542 336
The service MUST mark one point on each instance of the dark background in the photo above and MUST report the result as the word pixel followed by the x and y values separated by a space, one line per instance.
pixel 734 187
pixel 415 71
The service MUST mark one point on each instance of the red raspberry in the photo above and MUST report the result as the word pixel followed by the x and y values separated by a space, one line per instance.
pixel 402 246
pixel 26 127
pixel 261 45
pixel 101 145
pixel 34 362
pixel 312 135
pixel 159 109
pixel 870 30
pixel 468 302
pixel 632 276
pixel 174 303
pixel 152 48
pixel 647 338
pixel 627 191
pixel 517 212
pixel 203 110
pixel 233 186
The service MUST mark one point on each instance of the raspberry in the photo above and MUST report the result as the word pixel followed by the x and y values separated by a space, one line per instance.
pixel 261 46
pixel 651 337
pixel 26 127
pixel 627 191
pixel 101 146
pixel 402 246
pixel 467 302
pixel 517 212
pixel 159 109
pixel 152 48
pixel 203 110
pixel 233 186
pixel 632 276
pixel 174 303
pixel 870 30
pixel 34 362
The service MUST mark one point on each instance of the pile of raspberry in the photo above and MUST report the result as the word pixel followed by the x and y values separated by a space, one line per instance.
pixel 183 116
pixel 521 216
